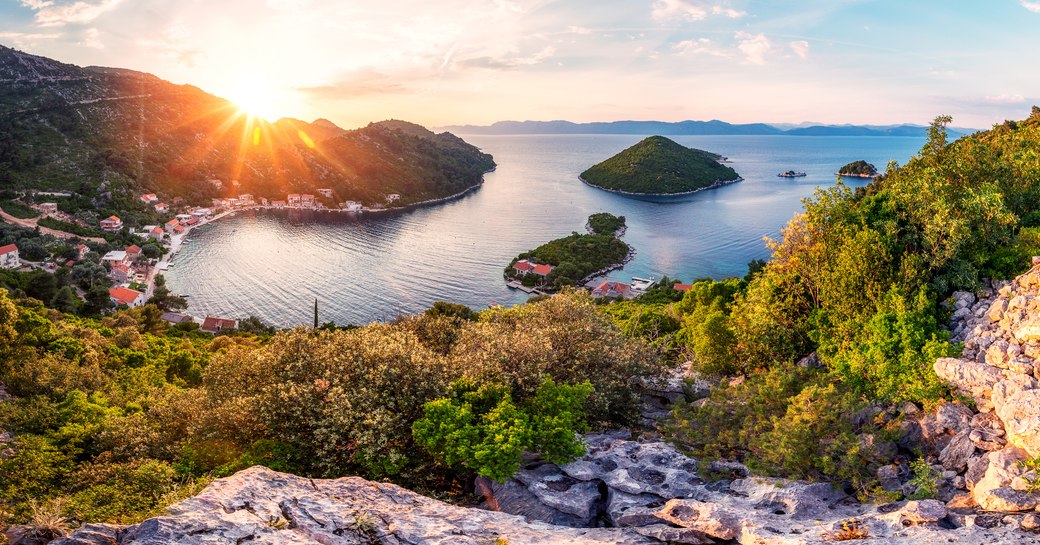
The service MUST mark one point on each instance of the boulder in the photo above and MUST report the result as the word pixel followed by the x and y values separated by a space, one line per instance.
pixel 794 499
pixel 1028 330
pixel 94 534
pixel 922 512
pixel 955 456
pixel 1020 413
pixel 563 493
pixel 969 378
pixel 1007 499
pixel 664 533
pixel 707 518
pixel 996 310
pixel 632 509
pixel 651 467
pixel 1004 466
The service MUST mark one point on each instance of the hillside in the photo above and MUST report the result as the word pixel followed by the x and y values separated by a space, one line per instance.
pixel 99 130
pixel 659 166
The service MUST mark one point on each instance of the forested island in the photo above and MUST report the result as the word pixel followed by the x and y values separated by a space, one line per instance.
pixel 571 260
pixel 858 169
pixel 659 166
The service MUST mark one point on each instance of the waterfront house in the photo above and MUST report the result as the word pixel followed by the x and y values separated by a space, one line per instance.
pixel 201 212
pixel 215 325
pixel 149 198
pixel 156 233
pixel 171 225
pixel 49 207
pixel 176 317
pixel 294 199
pixel 162 208
pixel 246 199
pixel 183 217
pixel 178 230
pixel 523 267
pixel 111 224
pixel 306 200
pixel 279 204
pixel 126 296
pixel 192 222
pixel 542 270
pixel 263 201
pixel 325 192
pixel 682 287
pixel 9 257
pixel 120 273
pixel 351 206
pixel 609 288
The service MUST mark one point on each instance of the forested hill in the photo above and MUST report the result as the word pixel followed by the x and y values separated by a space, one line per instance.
pixel 657 165
pixel 64 127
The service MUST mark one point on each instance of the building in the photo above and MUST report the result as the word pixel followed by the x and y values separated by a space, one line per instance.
pixel 149 198
pixel 325 192
pixel 609 288
pixel 49 207
pixel 120 273
pixel 162 208
pixel 170 225
pixel 306 200
pixel 263 201
pixel 115 256
pixel 201 212
pixel 542 270
pixel 177 318
pixel 82 249
pixel 393 197
pixel 246 199
pixel 294 199
pixel 126 296
pixel 111 224
pixel 183 217
pixel 682 287
pixel 133 252
pixel 523 267
pixel 351 206
pixel 156 233
pixel 215 325
pixel 9 257
pixel 279 204
pixel 178 230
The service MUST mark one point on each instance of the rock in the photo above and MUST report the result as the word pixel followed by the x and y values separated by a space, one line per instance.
pixel 959 482
pixel 664 533
pixel 988 438
pixel 94 534
pixel 708 518
pixel 1030 522
pixel 812 361
pixel 652 467
pixel 562 492
pixel 631 509
pixel 922 512
pixel 1020 413
pixel 977 467
pixel 27 535
pixel 969 378
pixel 955 456
pixel 1006 499
pixel 794 499
pixel 996 310
pixel 1003 468
pixel 888 476
pixel 513 497
pixel 1028 331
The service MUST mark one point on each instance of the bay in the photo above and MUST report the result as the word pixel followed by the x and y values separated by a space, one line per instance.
pixel 274 264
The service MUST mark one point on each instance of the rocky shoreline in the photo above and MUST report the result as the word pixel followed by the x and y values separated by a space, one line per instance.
pixel 716 184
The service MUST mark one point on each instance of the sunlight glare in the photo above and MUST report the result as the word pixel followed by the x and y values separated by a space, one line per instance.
pixel 254 97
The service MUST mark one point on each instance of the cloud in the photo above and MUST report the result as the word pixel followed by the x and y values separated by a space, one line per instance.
pixel 700 46
pixel 800 48
pixel 176 44
pixel 755 47
pixel 1005 98
pixel 574 29
pixel 53 13
pixel 1031 6
pixel 509 61
pixel 26 40
pixel 690 10
pixel 358 83
pixel 91 38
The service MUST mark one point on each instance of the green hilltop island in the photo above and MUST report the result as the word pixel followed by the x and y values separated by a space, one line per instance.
pixel 659 166
pixel 858 169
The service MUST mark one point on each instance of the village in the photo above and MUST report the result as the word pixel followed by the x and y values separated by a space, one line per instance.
pixel 131 272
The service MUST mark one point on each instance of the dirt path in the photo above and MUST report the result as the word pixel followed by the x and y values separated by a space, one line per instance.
pixel 31 224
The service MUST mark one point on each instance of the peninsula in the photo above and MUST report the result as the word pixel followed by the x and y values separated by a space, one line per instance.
pixel 574 259
pixel 858 169
pixel 659 166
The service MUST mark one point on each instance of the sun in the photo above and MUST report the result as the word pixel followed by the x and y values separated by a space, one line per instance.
pixel 254 97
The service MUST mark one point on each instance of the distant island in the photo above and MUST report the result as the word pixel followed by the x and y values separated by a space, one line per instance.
pixel 572 260
pixel 685 128
pixel 659 166
pixel 791 174
pixel 858 169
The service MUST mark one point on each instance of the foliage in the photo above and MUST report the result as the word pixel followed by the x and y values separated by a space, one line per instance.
pixel 657 165
pixel 925 480
pixel 850 529
pixel 484 430
pixel 603 223
pixel 858 168
pixel 574 258
pixel 18 209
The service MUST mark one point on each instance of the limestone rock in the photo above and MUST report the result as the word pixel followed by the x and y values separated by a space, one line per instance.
pixel 653 467
pixel 1002 469
pixel 708 518
pixel 794 499
pixel 632 509
pixel 969 378
pixel 1028 331
pixel 561 492
pixel 955 456
pixel 1020 413
pixel 923 512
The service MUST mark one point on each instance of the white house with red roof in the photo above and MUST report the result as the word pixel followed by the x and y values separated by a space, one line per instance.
pixel 133 251
pixel 156 233
pixel 9 257
pixel 149 198
pixel 610 288
pixel 523 267
pixel 172 224
pixel 294 199
pixel 126 296
pixel 162 207
pixel 120 273
pixel 111 224
pixel 214 325
pixel 542 270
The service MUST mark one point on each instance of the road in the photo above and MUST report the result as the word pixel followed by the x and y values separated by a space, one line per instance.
pixel 31 224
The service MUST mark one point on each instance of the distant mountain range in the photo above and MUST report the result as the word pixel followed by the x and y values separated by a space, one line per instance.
pixel 108 133
pixel 684 128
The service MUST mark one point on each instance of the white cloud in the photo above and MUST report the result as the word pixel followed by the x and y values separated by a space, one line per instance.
pixel 691 10
pixel 800 48
pixel 700 46
pixel 1031 6
pixel 91 38
pixel 574 29
pixel 52 13
pixel 755 47
pixel 1005 98
pixel 728 12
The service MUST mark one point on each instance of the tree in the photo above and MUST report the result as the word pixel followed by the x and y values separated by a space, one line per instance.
pixel 315 313
pixel 65 300
pixel 162 298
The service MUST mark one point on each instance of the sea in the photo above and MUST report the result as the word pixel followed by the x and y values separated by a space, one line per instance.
pixel 378 266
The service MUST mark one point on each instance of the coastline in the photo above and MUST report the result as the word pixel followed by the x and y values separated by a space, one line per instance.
pixel 715 185
pixel 609 268
pixel 856 175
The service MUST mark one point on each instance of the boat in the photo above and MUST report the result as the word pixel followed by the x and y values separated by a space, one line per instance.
pixel 790 174
pixel 642 283
pixel 183 295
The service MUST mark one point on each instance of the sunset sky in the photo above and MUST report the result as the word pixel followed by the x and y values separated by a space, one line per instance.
pixel 440 62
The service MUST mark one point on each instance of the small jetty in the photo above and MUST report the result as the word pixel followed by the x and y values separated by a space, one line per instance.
pixel 642 284
pixel 517 285
pixel 790 174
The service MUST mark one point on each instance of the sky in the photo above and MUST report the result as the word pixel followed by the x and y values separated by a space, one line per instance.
pixel 443 62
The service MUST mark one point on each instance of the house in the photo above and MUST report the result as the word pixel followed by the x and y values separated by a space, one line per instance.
pixel 193 221
pixel 149 198
pixel 263 201
pixel 682 287
pixel 214 325
pixel 246 199
pixel 542 270
pixel 133 252
pixel 156 233
pixel 178 230
pixel 393 197
pixel 120 273
pixel 9 257
pixel 306 200
pixel 523 267
pixel 49 207
pixel 183 217
pixel 294 199
pixel 351 206
pixel 279 204
pixel 325 192
pixel 126 296
pixel 171 225
pixel 609 288
pixel 111 224
pixel 115 256
pixel 162 208
pixel 176 317
pixel 201 212
pixel 82 249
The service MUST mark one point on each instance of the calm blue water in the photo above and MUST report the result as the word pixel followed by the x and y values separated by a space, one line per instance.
pixel 274 264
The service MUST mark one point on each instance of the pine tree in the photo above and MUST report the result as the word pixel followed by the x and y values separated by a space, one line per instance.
pixel 315 313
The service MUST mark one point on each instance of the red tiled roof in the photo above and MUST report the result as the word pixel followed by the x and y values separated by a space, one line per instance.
pixel 157 230
pixel 609 285
pixel 193 221
pixel 110 219
pixel 214 324
pixel 682 287
pixel 178 229
pixel 523 265
pixel 542 270
pixel 123 296
pixel 174 221
pixel 4 250
pixel 133 249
